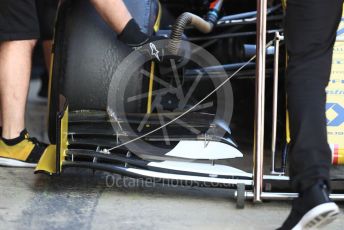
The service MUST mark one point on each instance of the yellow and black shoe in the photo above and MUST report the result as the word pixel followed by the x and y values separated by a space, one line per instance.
pixel 22 151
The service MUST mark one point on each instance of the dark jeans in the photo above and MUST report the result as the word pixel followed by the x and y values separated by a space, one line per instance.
pixel 310 30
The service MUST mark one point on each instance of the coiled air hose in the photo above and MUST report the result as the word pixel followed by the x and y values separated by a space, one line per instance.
pixel 188 19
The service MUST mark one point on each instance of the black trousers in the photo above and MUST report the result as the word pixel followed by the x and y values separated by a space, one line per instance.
pixel 310 31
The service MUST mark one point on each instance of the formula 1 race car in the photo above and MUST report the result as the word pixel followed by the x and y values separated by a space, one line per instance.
pixel 190 120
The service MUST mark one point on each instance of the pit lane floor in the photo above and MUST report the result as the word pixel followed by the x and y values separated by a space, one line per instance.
pixel 80 199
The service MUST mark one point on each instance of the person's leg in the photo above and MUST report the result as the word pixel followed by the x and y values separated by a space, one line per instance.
pixel 310 33
pixel 15 70
pixel 18 33
pixel 47 46
pixel 0 121
pixel 46 12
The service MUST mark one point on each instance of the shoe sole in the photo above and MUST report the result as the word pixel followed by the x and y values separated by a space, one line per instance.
pixel 16 163
pixel 318 216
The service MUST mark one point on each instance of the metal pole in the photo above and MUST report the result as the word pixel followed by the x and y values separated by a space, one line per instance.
pixel 288 196
pixel 275 103
pixel 258 148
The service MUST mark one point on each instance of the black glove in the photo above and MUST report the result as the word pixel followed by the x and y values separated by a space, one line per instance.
pixel 152 47
pixel 147 45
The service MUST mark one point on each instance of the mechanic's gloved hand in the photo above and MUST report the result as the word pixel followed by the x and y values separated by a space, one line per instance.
pixel 135 38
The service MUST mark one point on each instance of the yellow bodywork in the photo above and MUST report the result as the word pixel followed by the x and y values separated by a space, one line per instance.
pixel 63 137
pixel 47 163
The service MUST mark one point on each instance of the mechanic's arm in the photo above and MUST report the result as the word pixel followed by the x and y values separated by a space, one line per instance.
pixel 116 14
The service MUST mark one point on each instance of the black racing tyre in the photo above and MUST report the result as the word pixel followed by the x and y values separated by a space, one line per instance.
pixel 56 71
pixel 86 54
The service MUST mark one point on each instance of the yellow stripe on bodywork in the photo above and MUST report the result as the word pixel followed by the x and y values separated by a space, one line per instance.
pixel 287 127
pixel 152 68
pixel 150 88
pixel 64 137
pixel 284 4
pixel 156 26
pixel 50 79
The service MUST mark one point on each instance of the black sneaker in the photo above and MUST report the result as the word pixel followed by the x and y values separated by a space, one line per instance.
pixel 22 151
pixel 313 209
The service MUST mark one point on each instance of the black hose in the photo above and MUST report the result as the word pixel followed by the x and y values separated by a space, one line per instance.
pixel 177 32
pixel 186 19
